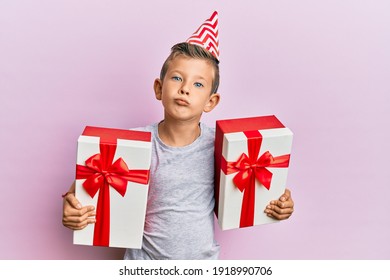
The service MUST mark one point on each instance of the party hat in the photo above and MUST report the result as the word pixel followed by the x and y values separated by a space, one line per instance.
pixel 207 35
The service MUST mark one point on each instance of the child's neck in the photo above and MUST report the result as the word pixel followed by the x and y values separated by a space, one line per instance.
pixel 178 134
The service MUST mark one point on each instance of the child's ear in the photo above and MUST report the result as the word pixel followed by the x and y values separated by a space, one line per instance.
pixel 213 101
pixel 158 88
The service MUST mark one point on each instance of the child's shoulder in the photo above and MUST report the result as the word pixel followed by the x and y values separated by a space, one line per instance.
pixel 207 129
pixel 148 128
pixel 208 133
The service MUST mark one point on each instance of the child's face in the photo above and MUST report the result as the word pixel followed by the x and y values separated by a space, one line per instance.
pixel 185 90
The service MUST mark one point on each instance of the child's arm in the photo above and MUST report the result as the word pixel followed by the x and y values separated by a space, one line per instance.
pixel 281 209
pixel 74 216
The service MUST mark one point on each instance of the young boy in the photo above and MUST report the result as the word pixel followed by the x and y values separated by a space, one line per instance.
pixel 179 221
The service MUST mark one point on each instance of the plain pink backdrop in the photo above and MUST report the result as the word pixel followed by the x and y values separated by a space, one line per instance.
pixel 322 67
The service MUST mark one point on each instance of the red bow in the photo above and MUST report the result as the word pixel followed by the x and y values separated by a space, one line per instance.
pixel 249 169
pixel 100 173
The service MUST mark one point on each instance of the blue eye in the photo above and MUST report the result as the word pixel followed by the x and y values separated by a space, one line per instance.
pixel 176 78
pixel 198 85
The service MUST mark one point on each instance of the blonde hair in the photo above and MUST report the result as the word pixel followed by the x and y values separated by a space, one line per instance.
pixel 192 51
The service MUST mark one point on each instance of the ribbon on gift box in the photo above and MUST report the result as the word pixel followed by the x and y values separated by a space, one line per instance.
pixel 251 167
pixel 100 173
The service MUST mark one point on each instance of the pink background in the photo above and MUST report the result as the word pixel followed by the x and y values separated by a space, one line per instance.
pixel 322 67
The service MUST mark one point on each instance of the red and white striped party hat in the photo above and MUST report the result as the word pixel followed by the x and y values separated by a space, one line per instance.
pixel 207 35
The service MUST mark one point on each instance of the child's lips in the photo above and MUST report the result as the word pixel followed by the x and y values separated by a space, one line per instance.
pixel 181 102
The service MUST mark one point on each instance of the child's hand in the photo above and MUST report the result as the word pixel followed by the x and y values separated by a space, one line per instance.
pixel 74 215
pixel 281 209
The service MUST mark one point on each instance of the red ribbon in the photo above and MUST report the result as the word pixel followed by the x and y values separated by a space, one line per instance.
pixel 100 173
pixel 251 167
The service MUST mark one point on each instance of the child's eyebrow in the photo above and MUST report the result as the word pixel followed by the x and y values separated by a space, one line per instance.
pixel 177 71
pixel 199 77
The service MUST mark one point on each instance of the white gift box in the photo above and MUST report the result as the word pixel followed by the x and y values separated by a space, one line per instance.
pixel 233 208
pixel 124 216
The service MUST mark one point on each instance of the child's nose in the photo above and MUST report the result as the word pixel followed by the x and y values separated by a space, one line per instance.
pixel 184 89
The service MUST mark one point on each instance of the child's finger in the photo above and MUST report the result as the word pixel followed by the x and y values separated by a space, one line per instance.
pixel 286 195
pixel 278 216
pixel 78 222
pixel 283 204
pixel 72 200
pixel 280 210
pixel 78 225
pixel 71 212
